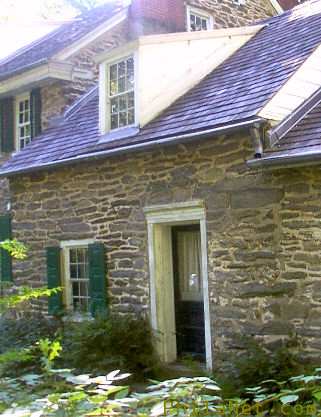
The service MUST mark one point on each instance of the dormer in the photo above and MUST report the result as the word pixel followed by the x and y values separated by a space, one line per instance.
pixel 141 79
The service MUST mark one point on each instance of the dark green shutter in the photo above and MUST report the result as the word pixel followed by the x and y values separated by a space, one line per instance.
pixel 97 279
pixel 35 112
pixel 5 258
pixel 55 305
pixel 7 124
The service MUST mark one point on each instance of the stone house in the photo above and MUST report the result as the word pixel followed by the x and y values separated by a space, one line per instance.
pixel 185 185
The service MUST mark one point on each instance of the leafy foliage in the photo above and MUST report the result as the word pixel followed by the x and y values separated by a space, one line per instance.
pixel 105 344
pixel 50 352
pixel 188 397
pixel 15 248
pixel 24 295
pixel 258 364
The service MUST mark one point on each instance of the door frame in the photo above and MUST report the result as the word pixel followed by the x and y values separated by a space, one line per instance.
pixel 160 219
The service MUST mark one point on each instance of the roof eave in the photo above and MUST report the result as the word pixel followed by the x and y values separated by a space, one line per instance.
pixel 49 70
pixel 285 161
pixel 184 138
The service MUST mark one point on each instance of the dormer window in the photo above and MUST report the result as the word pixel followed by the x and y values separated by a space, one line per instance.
pixel 23 121
pixel 121 93
pixel 198 20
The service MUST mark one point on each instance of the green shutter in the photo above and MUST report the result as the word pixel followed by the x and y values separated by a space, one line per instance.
pixel 55 305
pixel 7 124
pixel 97 279
pixel 35 112
pixel 5 258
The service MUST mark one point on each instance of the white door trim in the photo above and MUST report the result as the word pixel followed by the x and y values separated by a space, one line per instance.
pixel 176 214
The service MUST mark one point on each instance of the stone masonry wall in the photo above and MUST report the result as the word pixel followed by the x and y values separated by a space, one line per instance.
pixel 263 232
pixel 227 13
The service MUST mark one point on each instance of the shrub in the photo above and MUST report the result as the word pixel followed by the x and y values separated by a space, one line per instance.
pixel 257 363
pixel 104 344
pixel 18 338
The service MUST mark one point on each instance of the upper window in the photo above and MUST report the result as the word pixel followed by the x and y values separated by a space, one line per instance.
pixel 198 20
pixel 23 121
pixel 121 93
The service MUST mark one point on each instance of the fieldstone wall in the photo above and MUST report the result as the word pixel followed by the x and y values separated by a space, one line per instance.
pixel 227 13
pixel 263 233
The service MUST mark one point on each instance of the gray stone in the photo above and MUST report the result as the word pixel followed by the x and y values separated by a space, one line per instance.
pixel 255 198
pixel 262 290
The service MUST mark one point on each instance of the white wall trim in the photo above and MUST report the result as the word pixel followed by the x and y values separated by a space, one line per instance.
pixel 276 5
pixel 175 214
pixel 75 243
pixel 29 78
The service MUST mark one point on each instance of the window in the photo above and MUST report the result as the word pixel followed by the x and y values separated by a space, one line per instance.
pixel 121 93
pixel 23 121
pixel 77 278
pixel 198 20
pixel 79 267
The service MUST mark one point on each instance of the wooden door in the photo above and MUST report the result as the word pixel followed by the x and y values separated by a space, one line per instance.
pixel 189 303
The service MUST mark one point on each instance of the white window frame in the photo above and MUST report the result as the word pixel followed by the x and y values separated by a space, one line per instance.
pixel 107 116
pixel 67 292
pixel 18 100
pixel 104 105
pixel 201 13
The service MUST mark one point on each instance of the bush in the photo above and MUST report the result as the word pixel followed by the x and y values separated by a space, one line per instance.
pixel 257 364
pixel 104 344
pixel 26 331
pixel 18 338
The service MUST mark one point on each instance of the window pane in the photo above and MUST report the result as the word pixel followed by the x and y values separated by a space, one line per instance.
pixel 81 252
pixel 113 88
pixel 131 117
pixel 131 100
pixel 122 119
pixel 73 271
pixel 81 268
pixel 113 72
pixel 73 255
pixel 123 103
pixel 27 131
pixel 114 121
pixel 204 24
pixel 114 105
pixel 122 85
pixel 122 69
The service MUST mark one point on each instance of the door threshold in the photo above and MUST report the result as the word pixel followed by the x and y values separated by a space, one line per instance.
pixel 187 368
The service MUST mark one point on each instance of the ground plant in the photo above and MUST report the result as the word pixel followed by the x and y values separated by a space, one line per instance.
pixel 63 369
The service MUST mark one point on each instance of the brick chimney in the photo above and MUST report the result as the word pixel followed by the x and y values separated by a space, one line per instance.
pixel 158 16
pixel 289 4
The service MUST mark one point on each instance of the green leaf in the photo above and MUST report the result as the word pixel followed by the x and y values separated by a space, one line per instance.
pixel 288 399
pixel 317 395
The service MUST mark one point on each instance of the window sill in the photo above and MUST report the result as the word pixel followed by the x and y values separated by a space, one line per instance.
pixel 118 134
